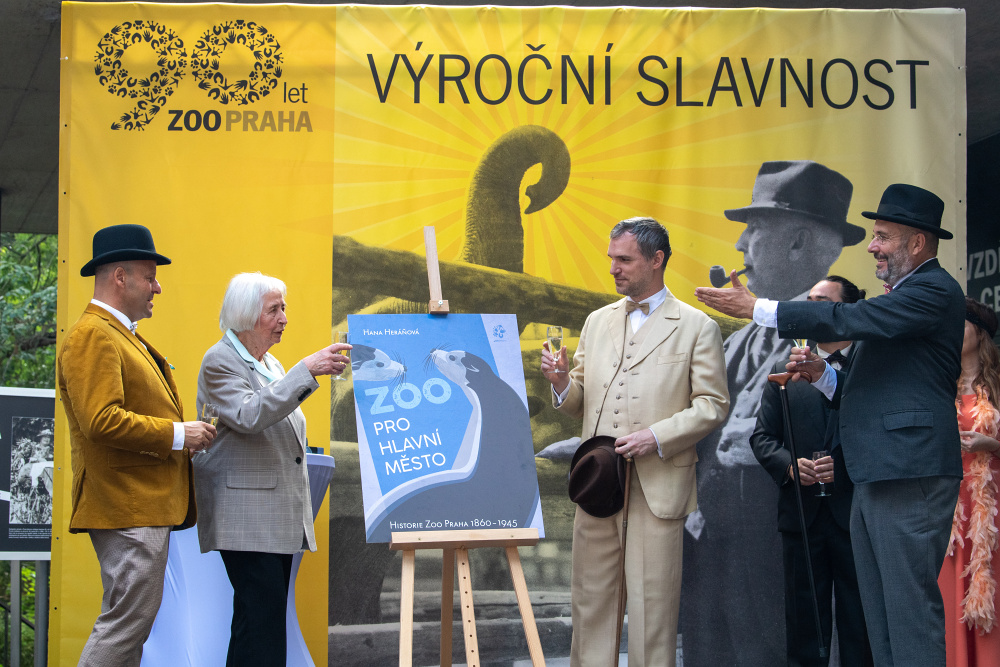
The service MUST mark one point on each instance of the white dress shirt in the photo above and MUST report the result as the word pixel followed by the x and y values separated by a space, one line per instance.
pixel 636 318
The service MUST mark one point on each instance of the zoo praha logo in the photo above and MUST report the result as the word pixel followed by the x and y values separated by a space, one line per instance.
pixel 151 92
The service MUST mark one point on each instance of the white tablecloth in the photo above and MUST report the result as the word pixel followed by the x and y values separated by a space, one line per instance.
pixel 193 624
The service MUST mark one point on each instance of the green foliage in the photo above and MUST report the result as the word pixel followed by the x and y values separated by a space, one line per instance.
pixel 28 276
pixel 27 610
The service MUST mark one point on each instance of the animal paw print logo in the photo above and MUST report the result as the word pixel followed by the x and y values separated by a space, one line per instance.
pixel 150 92
pixel 499 331
pixel 206 58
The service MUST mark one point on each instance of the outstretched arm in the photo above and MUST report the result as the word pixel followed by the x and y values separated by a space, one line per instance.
pixel 735 301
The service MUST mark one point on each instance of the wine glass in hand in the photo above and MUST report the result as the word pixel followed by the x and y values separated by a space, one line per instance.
pixel 822 485
pixel 341 337
pixel 555 338
pixel 209 415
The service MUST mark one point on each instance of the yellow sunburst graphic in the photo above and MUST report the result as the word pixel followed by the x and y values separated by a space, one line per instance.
pixel 422 93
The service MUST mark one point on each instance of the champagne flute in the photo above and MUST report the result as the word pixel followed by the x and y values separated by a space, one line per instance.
pixel 817 455
pixel 209 415
pixel 801 344
pixel 555 338
pixel 341 337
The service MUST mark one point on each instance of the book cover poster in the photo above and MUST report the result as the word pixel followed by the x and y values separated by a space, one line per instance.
pixel 443 426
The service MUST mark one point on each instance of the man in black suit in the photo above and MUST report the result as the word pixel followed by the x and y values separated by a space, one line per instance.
pixel 897 417
pixel 827 518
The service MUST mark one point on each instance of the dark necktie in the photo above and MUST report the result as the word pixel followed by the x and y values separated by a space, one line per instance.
pixel 888 287
pixel 632 305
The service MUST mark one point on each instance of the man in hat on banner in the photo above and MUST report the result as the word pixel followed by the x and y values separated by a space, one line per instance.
pixel 796 227
pixel 654 380
pixel 897 417
pixel 132 481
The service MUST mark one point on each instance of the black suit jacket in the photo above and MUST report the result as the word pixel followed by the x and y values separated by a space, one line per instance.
pixel 897 403
pixel 814 427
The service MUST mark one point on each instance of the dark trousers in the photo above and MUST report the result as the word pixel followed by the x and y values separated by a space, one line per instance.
pixel 260 595
pixel 723 620
pixel 900 530
pixel 836 580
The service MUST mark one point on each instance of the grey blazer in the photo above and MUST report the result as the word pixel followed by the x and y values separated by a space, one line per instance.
pixel 252 486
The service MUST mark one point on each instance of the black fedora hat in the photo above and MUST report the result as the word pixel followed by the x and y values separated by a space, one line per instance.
pixel 597 477
pixel 911 206
pixel 119 243
pixel 803 188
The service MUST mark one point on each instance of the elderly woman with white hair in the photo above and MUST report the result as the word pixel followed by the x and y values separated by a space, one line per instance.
pixel 252 486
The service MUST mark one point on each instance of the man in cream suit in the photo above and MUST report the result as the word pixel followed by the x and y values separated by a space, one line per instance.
pixel 655 379
pixel 130 449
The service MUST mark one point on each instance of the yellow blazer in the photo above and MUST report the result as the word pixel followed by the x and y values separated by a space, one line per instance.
pixel 677 388
pixel 121 403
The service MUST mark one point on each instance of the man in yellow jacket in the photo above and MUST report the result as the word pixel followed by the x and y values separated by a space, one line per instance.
pixel 132 480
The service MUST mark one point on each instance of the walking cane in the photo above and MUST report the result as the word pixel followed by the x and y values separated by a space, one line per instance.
pixel 621 561
pixel 781 379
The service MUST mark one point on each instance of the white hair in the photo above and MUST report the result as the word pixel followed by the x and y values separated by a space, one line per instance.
pixel 244 300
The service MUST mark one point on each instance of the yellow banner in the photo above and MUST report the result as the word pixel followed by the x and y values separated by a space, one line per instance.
pixel 667 113
pixel 296 139
pixel 241 184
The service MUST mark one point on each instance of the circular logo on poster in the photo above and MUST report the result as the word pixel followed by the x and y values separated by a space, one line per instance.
pixel 150 92
pixel 206 58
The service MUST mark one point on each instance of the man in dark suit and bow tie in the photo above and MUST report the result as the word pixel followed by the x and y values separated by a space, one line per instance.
pixel 827 518
pixel 132 478
pixel 897 417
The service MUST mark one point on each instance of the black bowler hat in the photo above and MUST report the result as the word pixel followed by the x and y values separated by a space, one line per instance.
pixel 119 243
pixel 804 188
pixel 597 477
pixel 911 206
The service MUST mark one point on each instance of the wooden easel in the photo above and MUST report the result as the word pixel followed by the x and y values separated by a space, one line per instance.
pixel 456 545
pixel 438 305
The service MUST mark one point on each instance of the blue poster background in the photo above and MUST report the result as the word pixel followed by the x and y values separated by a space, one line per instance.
pixel 443 427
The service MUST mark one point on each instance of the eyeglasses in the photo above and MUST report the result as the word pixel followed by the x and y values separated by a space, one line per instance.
pixel 885 238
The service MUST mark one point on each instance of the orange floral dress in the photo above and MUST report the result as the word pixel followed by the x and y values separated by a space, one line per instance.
pixel 967 579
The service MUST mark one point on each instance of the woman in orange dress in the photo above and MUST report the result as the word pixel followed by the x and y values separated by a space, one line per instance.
pixel 968 577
